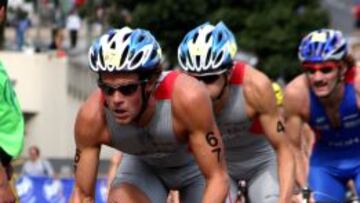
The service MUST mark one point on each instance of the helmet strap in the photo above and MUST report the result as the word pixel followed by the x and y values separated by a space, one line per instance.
pixel 145 95
pixel 223 87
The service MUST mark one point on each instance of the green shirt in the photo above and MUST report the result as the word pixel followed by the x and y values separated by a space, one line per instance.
pixel 11 118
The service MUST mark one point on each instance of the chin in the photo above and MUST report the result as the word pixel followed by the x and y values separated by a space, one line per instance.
pixel 123 121
pixel 322 94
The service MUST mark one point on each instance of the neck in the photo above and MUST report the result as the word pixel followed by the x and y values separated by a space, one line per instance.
pixel 220 103
pixel 148 112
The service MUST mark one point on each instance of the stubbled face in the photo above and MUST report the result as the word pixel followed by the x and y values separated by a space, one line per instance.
pixel 122 93
pixel 213 83
pixel 323 77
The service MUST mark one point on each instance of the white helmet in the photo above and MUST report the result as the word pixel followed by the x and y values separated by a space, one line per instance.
pixel 207 50
pixel 125 50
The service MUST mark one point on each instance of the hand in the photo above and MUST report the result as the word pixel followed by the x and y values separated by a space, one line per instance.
pixel 6 194
pixel 298 196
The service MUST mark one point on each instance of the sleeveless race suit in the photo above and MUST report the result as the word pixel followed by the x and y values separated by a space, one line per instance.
pixel 336 154
pixel 154 161
pixel 249 155
pixel 11 119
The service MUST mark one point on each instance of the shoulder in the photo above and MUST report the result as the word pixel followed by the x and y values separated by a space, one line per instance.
pixel 257 87
pixel 90 120
pixel 254 78
pixel 296 96
pixel 187 89
pixel 190 99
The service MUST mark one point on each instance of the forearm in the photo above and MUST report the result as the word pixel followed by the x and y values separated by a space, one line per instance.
pixel 286 172
pixel 301 167
pixel 3 177
pixel 216 189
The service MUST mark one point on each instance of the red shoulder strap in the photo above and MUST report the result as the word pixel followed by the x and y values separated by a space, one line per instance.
pixel 237 75
pixel 350 75
pixel 165 88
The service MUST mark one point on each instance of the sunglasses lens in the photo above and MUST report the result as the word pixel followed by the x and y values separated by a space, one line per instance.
pixel 208 79
pixel 128 90
pixel 326 70
pixel 108 90
pixel 125 90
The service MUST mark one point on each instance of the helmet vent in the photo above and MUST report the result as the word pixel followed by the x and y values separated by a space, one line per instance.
pixel 153 54
pixel 195 37
pixel 333 41
pixel 111 35
pixel 124 55
pixel 141 38
pixel 93 59
pixel 183 59
pixel 207 38
pixel 126 37
pixel 189 58
pixel 101 57
pixel 137 59
pixel 113 45
pixel 197 60
pixel 219 37
pixel 340 49
pixel 218 58
pixel 208 57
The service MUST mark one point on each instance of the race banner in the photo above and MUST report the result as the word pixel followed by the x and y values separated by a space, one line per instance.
pixel 50 190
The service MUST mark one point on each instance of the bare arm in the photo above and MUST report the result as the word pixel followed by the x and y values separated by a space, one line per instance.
pixel 293 103
pixel 195 111
pixel 6 193
pixel 259 95
pixel 88 129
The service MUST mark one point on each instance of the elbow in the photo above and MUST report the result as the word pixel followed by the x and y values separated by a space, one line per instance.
pixel 80 195
pixel 220 180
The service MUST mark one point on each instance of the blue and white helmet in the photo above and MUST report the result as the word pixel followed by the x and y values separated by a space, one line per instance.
pixel 125 50
pixel 322 45
pixel 207 50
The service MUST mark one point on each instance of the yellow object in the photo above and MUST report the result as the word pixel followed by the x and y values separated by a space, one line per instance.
pixel 278 93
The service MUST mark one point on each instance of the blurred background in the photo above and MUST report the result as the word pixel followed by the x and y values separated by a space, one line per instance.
pixel 44 49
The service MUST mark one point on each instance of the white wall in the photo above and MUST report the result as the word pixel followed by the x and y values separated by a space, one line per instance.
pixel 42 84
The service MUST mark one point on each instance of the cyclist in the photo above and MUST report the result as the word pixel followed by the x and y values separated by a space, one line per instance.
pixel 326 98
pixel 11 126
pixel 246 113
pixel 161 121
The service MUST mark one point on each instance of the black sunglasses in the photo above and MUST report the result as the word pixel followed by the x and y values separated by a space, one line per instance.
pixel 126 90
pixel 324 70
pixel 208 79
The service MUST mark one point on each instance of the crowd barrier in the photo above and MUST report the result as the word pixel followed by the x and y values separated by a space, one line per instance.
pixel 53 190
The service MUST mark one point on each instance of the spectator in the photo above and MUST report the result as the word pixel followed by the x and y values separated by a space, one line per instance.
pixel 73 24
pixel 356 14
pixel 22 25
pixel 57 41
pixel 37 166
